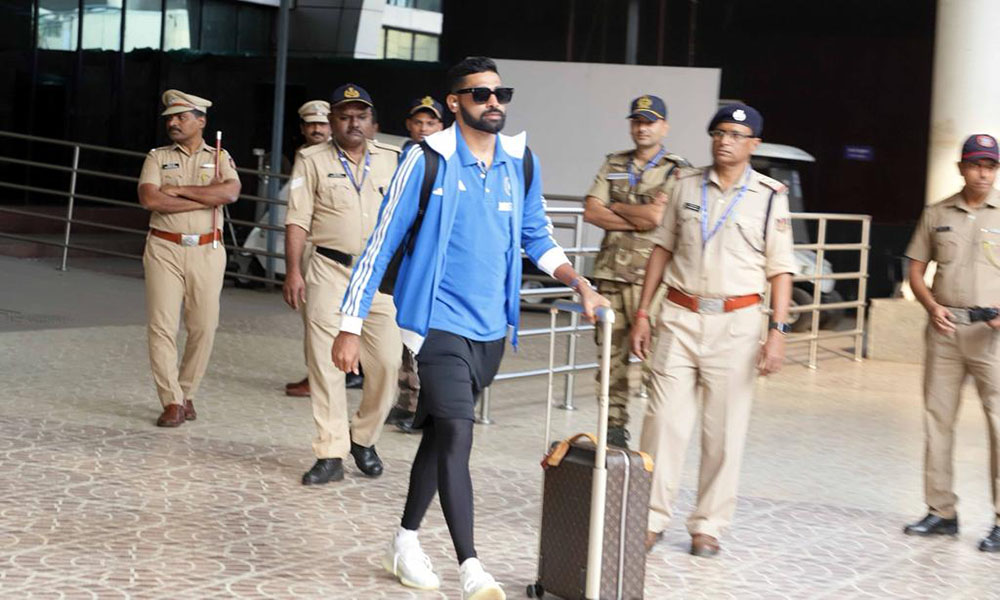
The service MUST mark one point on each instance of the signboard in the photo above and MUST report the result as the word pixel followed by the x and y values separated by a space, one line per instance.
pixel 862 153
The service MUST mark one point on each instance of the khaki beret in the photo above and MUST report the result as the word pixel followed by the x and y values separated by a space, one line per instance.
pixel 315 111
pixel 177 101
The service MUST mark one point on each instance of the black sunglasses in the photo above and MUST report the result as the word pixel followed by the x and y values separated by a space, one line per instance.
pixel 481 95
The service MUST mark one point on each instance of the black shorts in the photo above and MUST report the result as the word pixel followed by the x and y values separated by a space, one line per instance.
pixel 453 370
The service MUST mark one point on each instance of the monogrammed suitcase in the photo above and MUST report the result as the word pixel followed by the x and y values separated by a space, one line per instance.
pixel 595 504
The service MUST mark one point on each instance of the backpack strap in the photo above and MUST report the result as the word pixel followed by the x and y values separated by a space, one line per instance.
pixel 430 174
pixel 528 164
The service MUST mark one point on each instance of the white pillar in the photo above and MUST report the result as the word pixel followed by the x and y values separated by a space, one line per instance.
pixel 966 90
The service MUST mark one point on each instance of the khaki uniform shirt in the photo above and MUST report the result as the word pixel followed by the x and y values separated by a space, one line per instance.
pixel 962 240
pixel 623 254
pixel 739 259
pixel 323 200
pixel 172 165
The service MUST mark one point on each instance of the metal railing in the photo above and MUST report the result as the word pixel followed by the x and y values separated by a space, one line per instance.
pixel 813 337
pixel 564 217
pixel 72 195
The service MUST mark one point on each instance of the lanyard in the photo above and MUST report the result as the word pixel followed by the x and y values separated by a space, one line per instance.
pixel 635 178
pixel 350 173
pixel 706 235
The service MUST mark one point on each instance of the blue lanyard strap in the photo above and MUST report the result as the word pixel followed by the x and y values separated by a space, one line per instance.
pixel 635 178
pixel 706 235
pixel 350 174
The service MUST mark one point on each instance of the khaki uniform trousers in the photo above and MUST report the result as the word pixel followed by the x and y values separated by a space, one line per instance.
pixel 181 275
pixel 307 252
pixel 971 350
pixel 381 347
pixel 700 364
pixel 624 299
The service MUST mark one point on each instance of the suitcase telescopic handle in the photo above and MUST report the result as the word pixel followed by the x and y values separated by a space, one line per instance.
pixel 599 483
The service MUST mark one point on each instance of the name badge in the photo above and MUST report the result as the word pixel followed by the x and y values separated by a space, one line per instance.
pixel 170 166
pixel 692 206
pixel 505 206
pixel 336 175
pixel 615 176
pixel 988 230
pixel 943 228
pixel 208 166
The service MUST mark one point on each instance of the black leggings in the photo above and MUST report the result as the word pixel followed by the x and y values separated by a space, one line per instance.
pixel 442 465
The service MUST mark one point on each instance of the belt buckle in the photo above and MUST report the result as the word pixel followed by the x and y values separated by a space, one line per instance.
pixel 190 239
pixel 711 306
pixel 959 316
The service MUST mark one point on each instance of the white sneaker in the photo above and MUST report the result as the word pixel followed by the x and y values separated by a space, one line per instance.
pixel 477 584
pixel 406 560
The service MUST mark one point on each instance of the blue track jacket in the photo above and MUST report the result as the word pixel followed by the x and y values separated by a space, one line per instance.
pixel 420 272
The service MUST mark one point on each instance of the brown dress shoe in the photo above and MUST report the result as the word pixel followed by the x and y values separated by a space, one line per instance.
pixel 189 412
pixel 704 545
pixel 172 416
pixel 652 538
pixel 299 389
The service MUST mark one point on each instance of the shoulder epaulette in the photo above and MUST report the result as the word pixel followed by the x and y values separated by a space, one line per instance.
pixel 678 160
pixel 315 149
pixel 384 146
pixel 683 172
pixel 772 183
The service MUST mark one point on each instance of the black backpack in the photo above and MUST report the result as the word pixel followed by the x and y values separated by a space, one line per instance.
pixel 431 159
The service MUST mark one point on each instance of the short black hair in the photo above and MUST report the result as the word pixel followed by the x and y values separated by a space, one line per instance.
pixel 470 65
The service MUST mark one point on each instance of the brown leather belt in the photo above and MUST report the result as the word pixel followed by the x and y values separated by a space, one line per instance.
pixel 710 306
pixel 187 239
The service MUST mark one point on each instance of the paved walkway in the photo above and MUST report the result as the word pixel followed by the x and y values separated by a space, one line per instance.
pixel 96 502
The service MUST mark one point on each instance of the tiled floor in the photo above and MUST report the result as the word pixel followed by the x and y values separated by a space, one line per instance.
pixel 96 502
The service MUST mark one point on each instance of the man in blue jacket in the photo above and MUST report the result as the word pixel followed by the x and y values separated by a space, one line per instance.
pixel 457 298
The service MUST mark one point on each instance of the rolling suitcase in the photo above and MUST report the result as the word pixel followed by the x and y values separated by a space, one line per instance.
pixel 595 504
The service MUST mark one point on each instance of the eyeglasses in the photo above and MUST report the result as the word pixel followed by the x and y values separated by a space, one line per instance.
pixel 721 134
pixel 481 95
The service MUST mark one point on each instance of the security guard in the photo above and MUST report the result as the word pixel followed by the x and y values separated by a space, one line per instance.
pixel 624 201
pixel 423 119
pixel 314 125
pixel 725 235
pixel 184 186
pixel 335 194
pixel 960 234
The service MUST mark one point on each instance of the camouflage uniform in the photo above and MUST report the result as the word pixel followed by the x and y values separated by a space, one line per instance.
pixel 621 263
pixel 409 383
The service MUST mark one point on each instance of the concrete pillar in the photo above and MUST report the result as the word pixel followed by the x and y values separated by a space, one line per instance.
pixel 966 90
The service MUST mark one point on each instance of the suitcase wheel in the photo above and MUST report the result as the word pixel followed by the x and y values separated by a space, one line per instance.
pixel 535 590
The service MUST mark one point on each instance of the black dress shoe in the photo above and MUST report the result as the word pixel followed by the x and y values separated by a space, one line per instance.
pixel 932 525
pixel 354 381
pixel 324 471
pixel 406 425
pixel 398 415
pixel 991 543
pixel 367 460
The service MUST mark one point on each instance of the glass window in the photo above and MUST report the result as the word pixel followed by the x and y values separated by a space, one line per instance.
pixel 179 23
pixel 16 21
pixel 102 23
pixel 142 24
pixel 398 44
pixel 218 27
pixel 253 34
pixel 380 52
pixel 58 24
pixel 425 47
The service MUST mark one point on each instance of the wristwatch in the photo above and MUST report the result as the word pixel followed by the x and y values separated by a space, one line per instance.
pixel 783 328
pixel 578 281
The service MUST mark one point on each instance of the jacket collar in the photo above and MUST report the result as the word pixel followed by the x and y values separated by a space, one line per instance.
pixel 445 142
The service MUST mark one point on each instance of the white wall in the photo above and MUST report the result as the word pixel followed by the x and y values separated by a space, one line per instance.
pixel 575 113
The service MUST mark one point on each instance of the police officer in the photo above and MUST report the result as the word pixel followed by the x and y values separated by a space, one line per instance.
pixel 424 118
pixel 725 235
pixel 624 201
pixel 960 234
pixel 184 185
pixel 314 125
pixel 335 194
